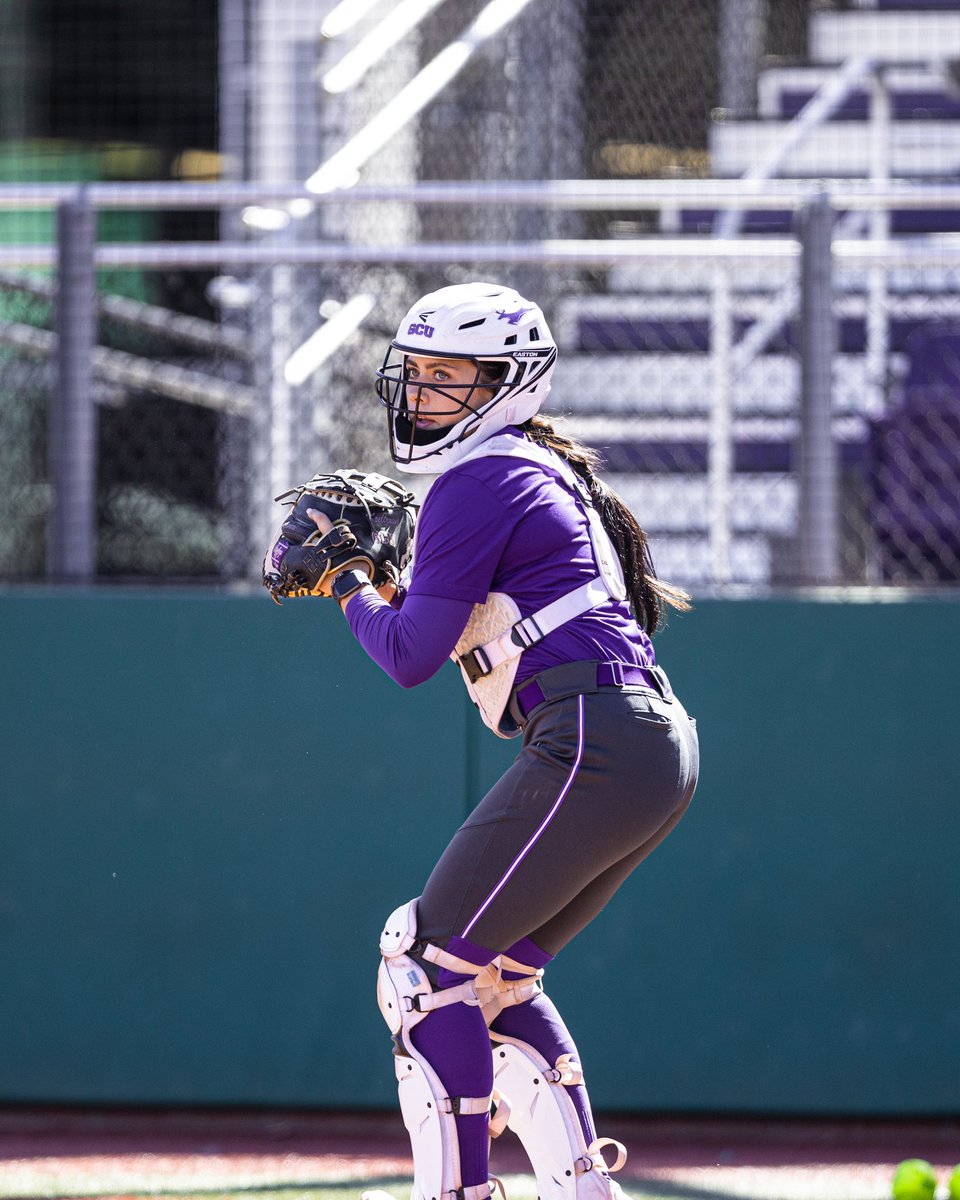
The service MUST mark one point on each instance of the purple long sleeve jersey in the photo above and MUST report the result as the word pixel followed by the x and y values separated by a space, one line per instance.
pixel 495 524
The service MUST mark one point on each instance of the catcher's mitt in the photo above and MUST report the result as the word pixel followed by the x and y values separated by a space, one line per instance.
pixel 373 522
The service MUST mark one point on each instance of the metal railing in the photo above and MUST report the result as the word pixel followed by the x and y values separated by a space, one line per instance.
pixel 813 259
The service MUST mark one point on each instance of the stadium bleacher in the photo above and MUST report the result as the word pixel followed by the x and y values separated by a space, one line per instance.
pixel 643 348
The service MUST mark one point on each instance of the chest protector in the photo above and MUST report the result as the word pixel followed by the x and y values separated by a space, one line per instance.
pixel 488 652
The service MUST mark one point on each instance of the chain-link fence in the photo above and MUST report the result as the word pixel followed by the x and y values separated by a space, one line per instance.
pixel 214 383
pixel 691 376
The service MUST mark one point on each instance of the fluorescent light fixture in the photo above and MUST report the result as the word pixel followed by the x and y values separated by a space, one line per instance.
pixel 346 14
pixel 228 292
pixel 342 170
pixel 336 174
pixel 327 339
pixel 300 208
pixel 494 17
pixel 369 50
pixel 269 220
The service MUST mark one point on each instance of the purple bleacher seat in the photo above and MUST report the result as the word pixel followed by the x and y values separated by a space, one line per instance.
pixel 636 456
pixel 908 105
pixel 673 335
pixel 780 222
pixel 916 5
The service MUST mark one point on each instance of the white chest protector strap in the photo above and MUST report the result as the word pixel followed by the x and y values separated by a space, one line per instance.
pixel 527 631
pixel 489 649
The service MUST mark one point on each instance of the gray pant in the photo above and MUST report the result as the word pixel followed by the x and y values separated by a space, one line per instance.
pixel 603 775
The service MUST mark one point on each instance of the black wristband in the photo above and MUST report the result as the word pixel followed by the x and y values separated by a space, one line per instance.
pixel 347 582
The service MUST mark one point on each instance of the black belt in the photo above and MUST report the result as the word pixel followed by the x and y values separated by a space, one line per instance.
pixel 608 674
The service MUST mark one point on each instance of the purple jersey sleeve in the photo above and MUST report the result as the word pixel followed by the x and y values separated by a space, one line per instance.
pixel 462 532
pixel 413 643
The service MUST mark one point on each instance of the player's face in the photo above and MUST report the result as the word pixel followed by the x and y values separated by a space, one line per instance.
pixel 439 409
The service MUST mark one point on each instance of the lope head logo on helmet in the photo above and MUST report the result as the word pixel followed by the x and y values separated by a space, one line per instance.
pixel 514 317
pixel 512 352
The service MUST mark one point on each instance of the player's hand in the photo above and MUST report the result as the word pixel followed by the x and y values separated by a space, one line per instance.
pixel 321 520
pixel 386 591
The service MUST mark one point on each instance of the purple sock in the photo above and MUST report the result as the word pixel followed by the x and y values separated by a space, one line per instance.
pixel 528 953
pixel 538 1023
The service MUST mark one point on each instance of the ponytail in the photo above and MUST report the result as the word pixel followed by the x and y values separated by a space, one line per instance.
pixel 647 594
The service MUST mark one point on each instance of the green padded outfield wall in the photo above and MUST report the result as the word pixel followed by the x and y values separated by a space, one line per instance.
pixel 209 804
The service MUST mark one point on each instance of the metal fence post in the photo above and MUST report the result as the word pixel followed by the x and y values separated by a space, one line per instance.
pixel 818 458
pixel 743 26
pixel 720 460
pixel 878 330
pixel 71 537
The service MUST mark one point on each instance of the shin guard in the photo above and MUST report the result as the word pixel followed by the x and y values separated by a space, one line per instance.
pixel 545 1120
pixel 541 1111
pixel 406 997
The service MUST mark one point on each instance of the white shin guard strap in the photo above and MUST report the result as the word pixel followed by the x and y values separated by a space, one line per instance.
pixel 494 993
pixel 467 1106
pixel 596 1148
pixel 463 993
pixel 566 1070
pixel 443 958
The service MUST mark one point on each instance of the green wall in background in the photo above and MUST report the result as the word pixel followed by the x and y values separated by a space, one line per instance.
pixel 208 805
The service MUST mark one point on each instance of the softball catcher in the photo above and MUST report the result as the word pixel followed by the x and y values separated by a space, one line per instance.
pixel 537 581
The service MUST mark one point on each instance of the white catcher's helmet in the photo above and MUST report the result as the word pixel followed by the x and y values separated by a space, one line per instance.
pixel 481 322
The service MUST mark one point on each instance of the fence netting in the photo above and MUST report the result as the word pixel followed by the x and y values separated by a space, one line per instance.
pixel 209 399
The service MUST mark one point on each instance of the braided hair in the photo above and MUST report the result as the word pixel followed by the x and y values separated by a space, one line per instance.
pixel 648 595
